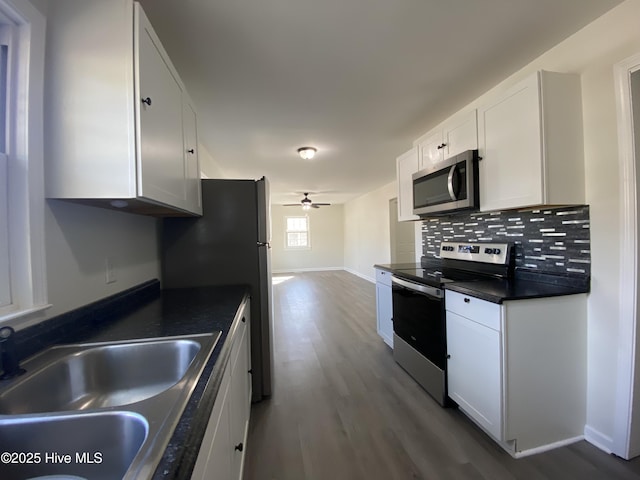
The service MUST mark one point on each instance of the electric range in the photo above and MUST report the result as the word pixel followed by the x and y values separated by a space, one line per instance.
pixel 419 320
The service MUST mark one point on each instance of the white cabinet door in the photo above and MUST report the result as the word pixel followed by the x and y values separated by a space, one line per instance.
pixel 221 456
pixel 510 147
pixel 530 141
pixel 214 460
pixel 460 134
pixel 384 309
pixel 406 165
pixel 191 160
pixel 475 372
pixel 431 149
pixel 161 159
pixel 455 135
pixel 240 404
pixel 384 306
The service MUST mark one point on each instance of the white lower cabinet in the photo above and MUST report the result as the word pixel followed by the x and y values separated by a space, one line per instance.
pixel 475 371
pixel 214 460
pixel 518 369
pixel 223 448
pixel 384 306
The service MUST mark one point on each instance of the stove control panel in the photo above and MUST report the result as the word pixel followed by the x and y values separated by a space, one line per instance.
pixel 494 253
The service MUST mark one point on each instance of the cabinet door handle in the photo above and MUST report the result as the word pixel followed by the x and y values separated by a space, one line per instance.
pixel 441 146
pixel 250 371
pixel 191 151
pixel 146 101
pixel 238 447
pixel 466 300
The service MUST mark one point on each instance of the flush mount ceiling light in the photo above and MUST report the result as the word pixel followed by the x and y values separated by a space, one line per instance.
pixel 307 153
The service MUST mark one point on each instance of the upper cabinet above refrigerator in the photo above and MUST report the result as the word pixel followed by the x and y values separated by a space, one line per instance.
pixel 121 131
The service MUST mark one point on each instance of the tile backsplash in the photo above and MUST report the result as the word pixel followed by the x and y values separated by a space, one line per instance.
pixel 546 240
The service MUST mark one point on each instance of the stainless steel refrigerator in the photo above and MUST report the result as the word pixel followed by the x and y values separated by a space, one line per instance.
pixel 228 245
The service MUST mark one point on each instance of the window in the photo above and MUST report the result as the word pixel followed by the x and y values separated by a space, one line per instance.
pixel 22 270
pixel 297 233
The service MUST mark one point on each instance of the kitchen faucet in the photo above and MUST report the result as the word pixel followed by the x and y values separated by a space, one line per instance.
pixel 9 363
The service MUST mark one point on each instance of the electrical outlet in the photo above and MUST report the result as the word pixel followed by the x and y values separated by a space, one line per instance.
pixel 110 271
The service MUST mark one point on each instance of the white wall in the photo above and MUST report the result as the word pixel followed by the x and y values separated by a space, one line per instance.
pixel 208 166
pixel 327 248
pixel 367 239
pixel 593 52
pixel 78 240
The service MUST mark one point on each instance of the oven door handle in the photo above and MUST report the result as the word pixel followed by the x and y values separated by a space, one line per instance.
pixel 432 291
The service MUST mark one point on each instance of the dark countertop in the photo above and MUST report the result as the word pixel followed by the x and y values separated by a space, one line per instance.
pixel 390 267
pixel 525 284
pixel 148 312
pixel 184 312
pixel 498 290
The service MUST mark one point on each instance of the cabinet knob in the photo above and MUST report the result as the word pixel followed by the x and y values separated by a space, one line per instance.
pixel 238 447
pixel 250 371
pixel 146 101
pixel 466 300
pixel 244 320
pixel 191 151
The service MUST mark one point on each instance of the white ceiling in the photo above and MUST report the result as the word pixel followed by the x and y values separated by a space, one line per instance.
pixel 357 79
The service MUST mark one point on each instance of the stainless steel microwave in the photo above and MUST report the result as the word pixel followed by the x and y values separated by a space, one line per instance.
pixel 449 186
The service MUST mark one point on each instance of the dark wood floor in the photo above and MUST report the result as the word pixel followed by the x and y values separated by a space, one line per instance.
pixel 342 409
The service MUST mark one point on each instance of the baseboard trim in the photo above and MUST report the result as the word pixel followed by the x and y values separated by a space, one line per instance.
pixel 548 447
pixel 324 269
pixel 303 270
pixel 596 438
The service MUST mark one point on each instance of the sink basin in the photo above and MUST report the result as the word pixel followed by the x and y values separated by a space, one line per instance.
pixel 71 400
pixel 100 445
pixel 99 376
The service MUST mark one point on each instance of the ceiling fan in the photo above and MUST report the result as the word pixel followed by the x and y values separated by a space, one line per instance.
pixel 306 203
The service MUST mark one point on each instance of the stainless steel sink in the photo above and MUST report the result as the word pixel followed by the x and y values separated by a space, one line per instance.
pixel 71 400
pixel 90 445
pixel 82 377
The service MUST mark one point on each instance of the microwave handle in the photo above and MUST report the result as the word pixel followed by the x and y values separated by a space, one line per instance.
pixel 452 193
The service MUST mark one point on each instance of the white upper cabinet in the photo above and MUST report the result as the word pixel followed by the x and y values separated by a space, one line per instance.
pixel 191 159
pixel 121 130
pixel 456 135
pixel 431 149
pixel 406 165
pixel 530 142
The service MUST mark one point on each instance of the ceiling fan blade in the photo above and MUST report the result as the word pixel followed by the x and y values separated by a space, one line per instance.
pixel 322 204
pixel 291 205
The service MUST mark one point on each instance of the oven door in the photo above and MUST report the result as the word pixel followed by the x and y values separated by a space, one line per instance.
pixel 419 319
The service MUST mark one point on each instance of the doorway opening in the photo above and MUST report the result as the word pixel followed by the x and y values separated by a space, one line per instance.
pixel 405 236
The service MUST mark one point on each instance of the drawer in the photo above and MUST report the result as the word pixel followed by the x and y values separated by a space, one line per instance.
pixel 384 277
pixel 480 311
